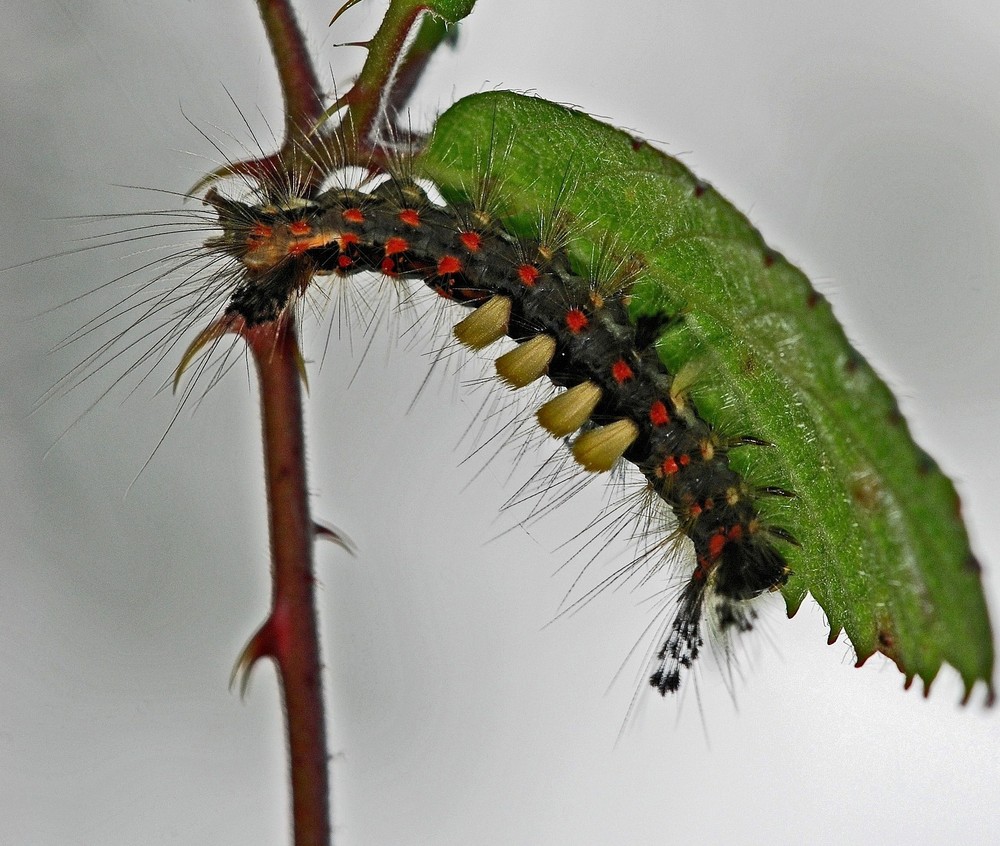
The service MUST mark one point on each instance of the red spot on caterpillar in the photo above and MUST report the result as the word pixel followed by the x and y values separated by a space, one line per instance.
pixel 684 460
pixel 621 371
pixel 388 266
pixel 299 227
pixel 471 241
pixel 344 262
pixel 694 510
pixel 448 265
pixel 703 569
pixel 348 239
pixel 394 246
pixel 528 274
pixel 658 414
pixel 576 320
pixel 669 466
pixel 411 217
pixel 735 532
pixel 354 215
pixel 716 544
pixel 260 231
pixel 297 249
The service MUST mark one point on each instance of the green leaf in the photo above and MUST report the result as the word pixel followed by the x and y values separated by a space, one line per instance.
pixel 883 547
pixel 450 10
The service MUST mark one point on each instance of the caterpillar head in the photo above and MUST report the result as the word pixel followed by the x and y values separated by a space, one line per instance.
pixel 264 236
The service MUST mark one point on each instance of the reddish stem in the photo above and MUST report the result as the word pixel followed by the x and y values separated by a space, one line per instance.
pixel 300 86
pixel 290 634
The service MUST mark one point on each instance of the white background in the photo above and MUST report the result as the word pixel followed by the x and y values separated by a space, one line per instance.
pixel 862 138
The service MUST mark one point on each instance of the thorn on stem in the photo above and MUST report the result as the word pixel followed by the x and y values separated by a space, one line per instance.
pixel 300 365
pixel 334 535
pixel 343 9
pixel 261 645
pixel 211 333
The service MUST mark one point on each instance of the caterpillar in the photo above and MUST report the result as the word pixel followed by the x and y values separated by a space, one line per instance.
pixel 827 96
pixel 804 497
pixel 619 400
pixel 649 370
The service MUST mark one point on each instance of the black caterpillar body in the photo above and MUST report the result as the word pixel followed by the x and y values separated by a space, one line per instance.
pixel 620 400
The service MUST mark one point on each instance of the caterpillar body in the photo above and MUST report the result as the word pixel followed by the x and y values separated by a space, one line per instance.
pixel 619 399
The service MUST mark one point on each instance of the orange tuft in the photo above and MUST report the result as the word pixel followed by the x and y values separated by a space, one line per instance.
pixel 658 414
pixel 471 241
pixel 411 217
pixel 621 371
pixel 396 245
pixel 449 265
pixel 528 274
pixel 576 320
pixel 716 544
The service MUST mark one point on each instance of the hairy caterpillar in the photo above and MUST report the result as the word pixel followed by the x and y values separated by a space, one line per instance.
pixel 814 146
pixel 627 367
pixel 577 331
pixel 625 344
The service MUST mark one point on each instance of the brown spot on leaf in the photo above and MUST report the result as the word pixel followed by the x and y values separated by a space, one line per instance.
pixel 866 490
pixel 888 641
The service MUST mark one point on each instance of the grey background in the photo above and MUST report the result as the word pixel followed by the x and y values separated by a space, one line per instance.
pixel 862 139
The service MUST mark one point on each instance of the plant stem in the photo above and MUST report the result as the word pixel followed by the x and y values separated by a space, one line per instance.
pixel 432 33
pixel 290 635
pixel 373 89
pixel 300 86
